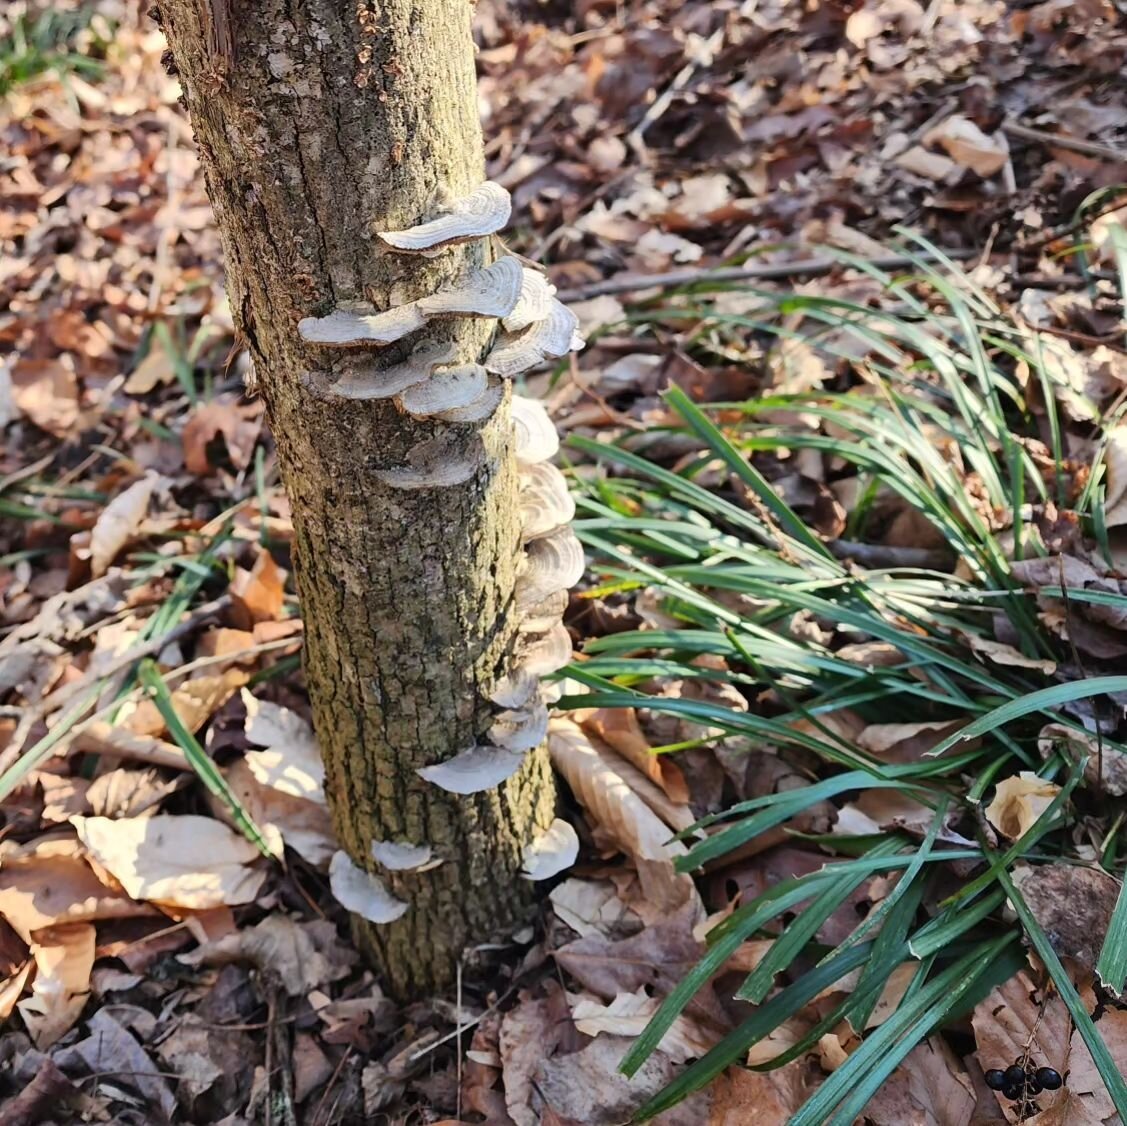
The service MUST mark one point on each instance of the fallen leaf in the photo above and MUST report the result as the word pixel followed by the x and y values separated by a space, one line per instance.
pixel 118 522
pixel 755 1098
pixel 258 595
pixel 300 957
pixel 590 907
pixel 620 729
pixel 54 884
pixel 621 814
pixel 11 989
pixel 967 145
pixel 238 425
pixel 1073 905
pixel 1115 466
pixel 291 762
pixel 1018 802
pixel 629 1013
pixel 529 1032
pixel 155 370
pixel 178 860
pixel 46 391
pixel 195 701
pixel 930 1088
pixel 64 957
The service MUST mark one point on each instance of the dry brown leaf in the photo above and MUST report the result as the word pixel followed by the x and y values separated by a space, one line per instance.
pixel 155 370
pixel 930 1088
pixel 118 522
pixel 238 425
pixel 258 595
pixel 904 742
pixel 621 814
pixel 1115 465
pixel 54 884
pixel 180 861
pixel 1018 802
pixel 11 989
pixel 1007 655
pixel 1105 768
pixel 629 1013
pixel 528 1033
pixel 756 1098
pixel 195 702
pixel 64 957
pixel 967 145
pixel 620 729
pixel 1073 905
pixel 590 907
pixel 46 391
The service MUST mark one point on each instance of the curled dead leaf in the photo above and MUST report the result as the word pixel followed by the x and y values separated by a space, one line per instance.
pixel 1018 802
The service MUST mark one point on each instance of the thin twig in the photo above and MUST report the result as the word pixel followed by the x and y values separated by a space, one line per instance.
pixel 1062 141
pixel 810 267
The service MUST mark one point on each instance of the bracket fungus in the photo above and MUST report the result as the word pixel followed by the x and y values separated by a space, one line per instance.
pixel 401 856
pixel 473 770
pixel 536 437
pixel 483 212
pixel 553 336
pixel 534 303
pixel 362 893
pixel 555 850
pixel 547 652
pixel 397 378
pixel 553 562
pixel 490 292
pixel 343 328
pixel 520 729
pixel 437 463
pixel 444 390
pixel 545 502
pixel 479 410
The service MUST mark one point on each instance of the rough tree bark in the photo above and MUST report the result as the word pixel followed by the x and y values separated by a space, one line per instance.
pixel 320 122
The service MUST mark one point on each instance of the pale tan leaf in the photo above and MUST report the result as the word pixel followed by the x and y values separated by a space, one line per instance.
pixel 620 814
pixel 64 957
pixel 118 522
pixel 629 1013
pixel 155 370
pixel 46 391
pixel 1018 802
pixel 195 702
pixel 258 595
pixel 53 884
pixel 1115 466
pixel 11 989
pixel 619 727
pixel 180 861
pixel 930 1088
pixel 967 145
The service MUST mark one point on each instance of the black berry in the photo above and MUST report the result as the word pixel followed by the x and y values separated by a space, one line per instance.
pixel 995 1079
pixel 1015 1075
pixel 1049 1078
pixel 1012 1091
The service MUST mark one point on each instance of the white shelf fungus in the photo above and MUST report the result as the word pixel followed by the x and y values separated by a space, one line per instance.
pixel 552 852
pixel 345 329
pixel 401 856
pixel 554 336
pixel 437 463
pixel 543 615
pixel 545 502
pixel 546 653
pixel 445 389
pixel 490 292
pixel 520 729
pixel 536 436
pixel 473 770
pixel 397 378
pixel 534 303
pixel 485 211
pixel 553 562
pixel 362 893
pixel 479 410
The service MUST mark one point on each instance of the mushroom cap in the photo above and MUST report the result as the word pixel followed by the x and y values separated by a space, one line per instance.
pixel 520 729
pixel 479 410
pixel 514 690
pixel 545 502
pixel 361 892
pixel 445 389
pixel 489 292
pixel 397 378
pixel 553 562
pixel 536 436
pixel 546 653
pixel 473 770
pixel 400 856
pixel 345 329
pixel 483 212
pixel 534 303
pixel 553 336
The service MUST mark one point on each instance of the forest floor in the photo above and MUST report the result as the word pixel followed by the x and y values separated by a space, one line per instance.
pixel 140 511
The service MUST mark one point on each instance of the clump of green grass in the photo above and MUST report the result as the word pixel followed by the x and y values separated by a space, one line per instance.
pixel 45 43
pixel 934 417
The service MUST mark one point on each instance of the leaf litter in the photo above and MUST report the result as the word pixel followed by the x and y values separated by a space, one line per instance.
pixel 615 133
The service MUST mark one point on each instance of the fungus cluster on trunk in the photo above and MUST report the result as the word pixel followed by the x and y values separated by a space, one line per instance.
pixel 434 385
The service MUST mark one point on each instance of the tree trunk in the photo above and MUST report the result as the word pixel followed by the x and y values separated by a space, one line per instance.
pixel 320 123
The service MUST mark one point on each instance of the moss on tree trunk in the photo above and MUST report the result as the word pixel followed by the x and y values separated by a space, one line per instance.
pixel 318 124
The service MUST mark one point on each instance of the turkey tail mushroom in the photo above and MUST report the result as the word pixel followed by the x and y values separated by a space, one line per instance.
pixel 485 211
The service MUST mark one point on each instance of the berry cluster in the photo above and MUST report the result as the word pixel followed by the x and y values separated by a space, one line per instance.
pixel 1017 1083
